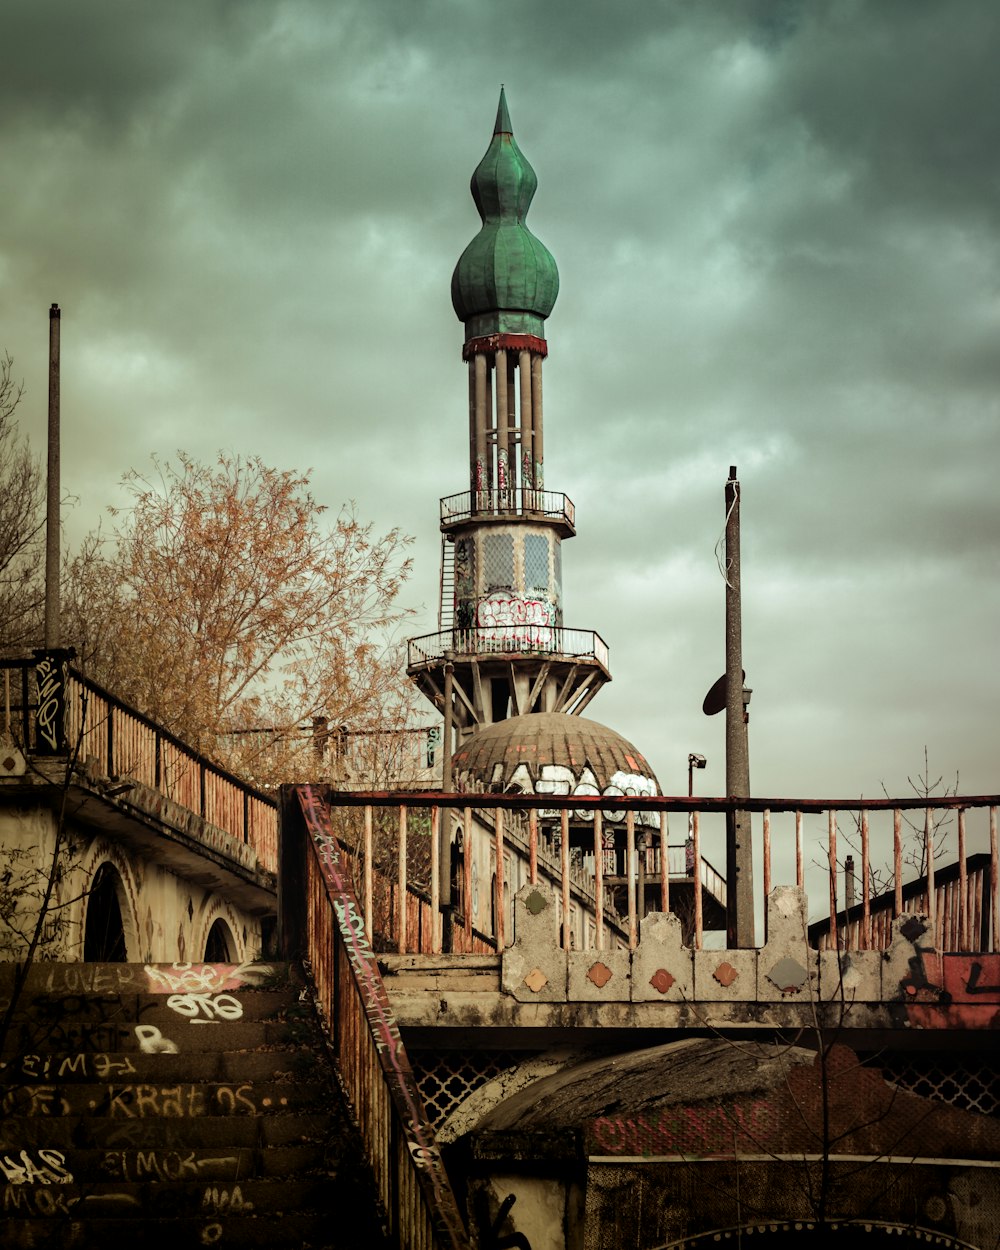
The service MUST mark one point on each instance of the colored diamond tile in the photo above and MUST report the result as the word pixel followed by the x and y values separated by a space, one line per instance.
pixel 661 980
pixel 788 976
pixel 536 980
pixel 913 928
pixel 536 902
pixel 725 974
pixel 600 974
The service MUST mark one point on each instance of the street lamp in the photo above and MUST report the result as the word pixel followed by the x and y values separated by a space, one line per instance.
pixel 694 761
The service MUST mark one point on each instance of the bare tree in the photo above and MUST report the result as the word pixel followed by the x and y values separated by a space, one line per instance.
pixel 227 606
pixel 22 520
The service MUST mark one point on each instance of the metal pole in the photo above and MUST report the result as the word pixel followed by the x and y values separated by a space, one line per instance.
pixel 53 489
pixel 739 848
pixel 447 784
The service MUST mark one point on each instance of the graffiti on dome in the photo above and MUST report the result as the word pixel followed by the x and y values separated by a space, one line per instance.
pixel 561 779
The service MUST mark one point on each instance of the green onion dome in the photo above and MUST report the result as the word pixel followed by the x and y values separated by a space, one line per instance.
pixel 506 280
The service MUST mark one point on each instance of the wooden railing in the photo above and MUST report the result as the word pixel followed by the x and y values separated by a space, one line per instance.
pixel 399 1142
pixel 963 900
pixel 123 744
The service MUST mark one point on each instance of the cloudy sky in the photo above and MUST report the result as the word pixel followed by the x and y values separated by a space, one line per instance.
pixel 777 226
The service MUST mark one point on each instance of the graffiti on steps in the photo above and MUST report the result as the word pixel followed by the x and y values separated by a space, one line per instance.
pixel 218 1201
pixel 89 979
pixel 204 978
pixel 47 1167
pixel 206 1009
pixel 177 1101
pixel 34 1100
pixel 165 1165
pixel 152 1041
pixel 99 1065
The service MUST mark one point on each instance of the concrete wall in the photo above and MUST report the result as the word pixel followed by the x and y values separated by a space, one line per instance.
pixel 165 917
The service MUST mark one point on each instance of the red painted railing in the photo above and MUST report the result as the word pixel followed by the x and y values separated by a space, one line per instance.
pixel 399 1142
pixel 963 901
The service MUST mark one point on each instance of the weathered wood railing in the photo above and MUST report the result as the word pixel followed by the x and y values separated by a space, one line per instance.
pixel 123 744
pixel 399 1142
pixel 966 914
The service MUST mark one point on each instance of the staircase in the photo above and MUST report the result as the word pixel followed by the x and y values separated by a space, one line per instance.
pixel 190 1105
pixel 446 607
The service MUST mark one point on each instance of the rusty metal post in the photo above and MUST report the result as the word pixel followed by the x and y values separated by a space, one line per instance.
pixel 630 875
pixel 499 934
pixel 52 488
pixel 598 882
pixel 467 873
pixel 436 840
pixel 447 785
pixel 696 839
pixel 739 848
pixel 664 862
pixel 564 873
pixel 401 884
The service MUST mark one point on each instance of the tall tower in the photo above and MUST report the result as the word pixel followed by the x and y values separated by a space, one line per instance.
pixel 501 649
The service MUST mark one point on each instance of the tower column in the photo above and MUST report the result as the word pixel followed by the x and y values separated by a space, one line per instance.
pixel 512 440
pixel 482 474
pixel 472 432
pixel 503 416
pixel 527 467
pixel 538 476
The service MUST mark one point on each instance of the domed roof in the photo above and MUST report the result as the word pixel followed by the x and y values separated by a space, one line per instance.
pixel 567 754
pixel 506 280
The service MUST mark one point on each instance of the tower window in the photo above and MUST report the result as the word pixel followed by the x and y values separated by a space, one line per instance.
pixel 498 562
pixel 536 562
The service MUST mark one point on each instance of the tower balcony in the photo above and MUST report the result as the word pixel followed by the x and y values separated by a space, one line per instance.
pixel 507 640
pixel 512 504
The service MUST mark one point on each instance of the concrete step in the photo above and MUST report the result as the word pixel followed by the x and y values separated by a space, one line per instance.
pixel 346 1228
pixel 160 1162
pixel 72 1035
pixel 170 1008
pixel 130 1100
pixel 73 1132
pixel 60 979
pixel 276 1063
pixel 156 1198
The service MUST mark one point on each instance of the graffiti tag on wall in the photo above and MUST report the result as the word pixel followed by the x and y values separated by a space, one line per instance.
pixel 51 679
pixel 508 618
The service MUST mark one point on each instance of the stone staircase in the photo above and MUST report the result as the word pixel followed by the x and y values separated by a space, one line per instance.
pixel 191 1105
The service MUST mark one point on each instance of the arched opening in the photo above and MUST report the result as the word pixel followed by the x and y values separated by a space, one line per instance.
pixel 104 933
pixel 220 948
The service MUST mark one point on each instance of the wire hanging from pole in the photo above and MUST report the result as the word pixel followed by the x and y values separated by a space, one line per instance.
pixel 724 568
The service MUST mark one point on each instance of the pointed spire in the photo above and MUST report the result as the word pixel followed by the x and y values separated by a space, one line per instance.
pixel 506 280
pixel 503 126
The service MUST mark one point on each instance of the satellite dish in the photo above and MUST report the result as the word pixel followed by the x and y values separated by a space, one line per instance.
pixel 715 700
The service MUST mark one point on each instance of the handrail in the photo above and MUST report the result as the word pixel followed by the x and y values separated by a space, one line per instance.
pixel 965 912
pixel 398 1139
pixel 519 501
pixel 524 639
pixel 124 743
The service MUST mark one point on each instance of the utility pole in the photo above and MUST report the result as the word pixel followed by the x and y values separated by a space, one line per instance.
pixel 739 847
pixel 52 490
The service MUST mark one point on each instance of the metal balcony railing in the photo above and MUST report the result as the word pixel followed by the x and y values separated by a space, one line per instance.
pixel 509 640
pixel 521 501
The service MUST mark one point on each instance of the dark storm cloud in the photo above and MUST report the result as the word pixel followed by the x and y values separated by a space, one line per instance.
pixel 778 239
